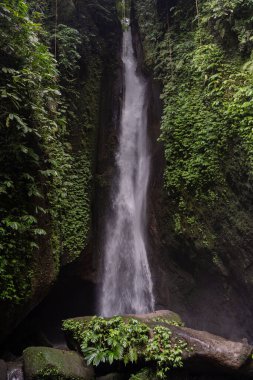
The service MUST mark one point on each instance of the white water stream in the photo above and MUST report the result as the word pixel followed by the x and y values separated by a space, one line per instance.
pixel 126 283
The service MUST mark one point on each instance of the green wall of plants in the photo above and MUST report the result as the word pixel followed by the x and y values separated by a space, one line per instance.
pixel 201 53
pixel 51 67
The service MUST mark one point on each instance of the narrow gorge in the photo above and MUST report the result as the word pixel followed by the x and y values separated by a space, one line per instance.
pixel 126 202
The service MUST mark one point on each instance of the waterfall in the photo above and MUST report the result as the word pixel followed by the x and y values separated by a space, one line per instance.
pixel 126 278
pixel 15 374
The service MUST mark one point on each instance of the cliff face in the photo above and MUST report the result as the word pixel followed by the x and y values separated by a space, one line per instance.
pixel 201 213
pixel 61 142
pixel 58 122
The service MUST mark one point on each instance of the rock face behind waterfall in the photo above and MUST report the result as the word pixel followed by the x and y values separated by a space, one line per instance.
pixel 206 353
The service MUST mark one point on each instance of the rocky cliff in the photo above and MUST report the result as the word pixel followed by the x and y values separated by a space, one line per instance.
pixel 201 218
pixel 49 164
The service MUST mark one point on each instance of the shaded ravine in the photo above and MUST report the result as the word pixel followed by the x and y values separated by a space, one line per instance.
pixel 126 278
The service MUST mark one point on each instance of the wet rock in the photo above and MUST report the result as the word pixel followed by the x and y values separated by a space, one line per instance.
pixel 54 364
pixel 208 350
pixel 113 376
pixel 3 370
pixel 66 10
pixel 15 371
pixel 205 352
pixel 144 374
pixel 159 315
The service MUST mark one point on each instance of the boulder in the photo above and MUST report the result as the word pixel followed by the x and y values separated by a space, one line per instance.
pixel 205 353
pixel 144 374
pixel 51 363
pixel 159 316
pixel 208 350
pixel 3 370
pixel 113 376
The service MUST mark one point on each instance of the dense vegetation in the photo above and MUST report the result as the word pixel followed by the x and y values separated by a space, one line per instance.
pixel 201 52
pixel 32 145
pixel 55 66
pixel 113 340
pixel 50 84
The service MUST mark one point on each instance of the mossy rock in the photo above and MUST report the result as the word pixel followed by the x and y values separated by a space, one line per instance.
pixel 162 316
pixel 49 363
pixel 113 376
pixel 165 316
pixel 144 374
pixel 3 370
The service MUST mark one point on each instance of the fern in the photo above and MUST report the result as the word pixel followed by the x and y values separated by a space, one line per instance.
pixel 114 340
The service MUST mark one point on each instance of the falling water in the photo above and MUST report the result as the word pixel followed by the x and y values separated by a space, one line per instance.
pixel 126 282
pixel 15 374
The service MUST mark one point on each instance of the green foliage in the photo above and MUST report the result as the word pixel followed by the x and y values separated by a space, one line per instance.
pixel 202 56
pixel 49 117
pixel 123 10
pixel 115 339
pixel 83 119
pixel 151 30
pixel 165 351
pixel 68 56
pixel 228 17
pixel 168 322
pixel 75 217
pixel 110 340
pixel 31 130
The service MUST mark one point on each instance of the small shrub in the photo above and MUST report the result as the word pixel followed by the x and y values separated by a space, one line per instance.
pixel 116 339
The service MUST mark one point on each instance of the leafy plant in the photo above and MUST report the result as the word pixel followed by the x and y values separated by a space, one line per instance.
pixel 202 55
pixel 31 129
pixel 115 339
pixel 165 351
pixel 110 340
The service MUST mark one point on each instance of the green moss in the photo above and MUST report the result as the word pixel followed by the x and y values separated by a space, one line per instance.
pixel 48 363
pixel 49 120
pixel 144 374
pixel 202 57
pixel 76 215
pixel 32 131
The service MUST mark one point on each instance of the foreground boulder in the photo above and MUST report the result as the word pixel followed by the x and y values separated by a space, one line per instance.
pixel 200 351
pixel 166 316
pixel 160 316
pixel 113 376
pixel 208 350
pixel 3 370
pixel 50 363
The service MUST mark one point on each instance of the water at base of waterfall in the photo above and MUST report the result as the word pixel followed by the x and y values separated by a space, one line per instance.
pixel 126 278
